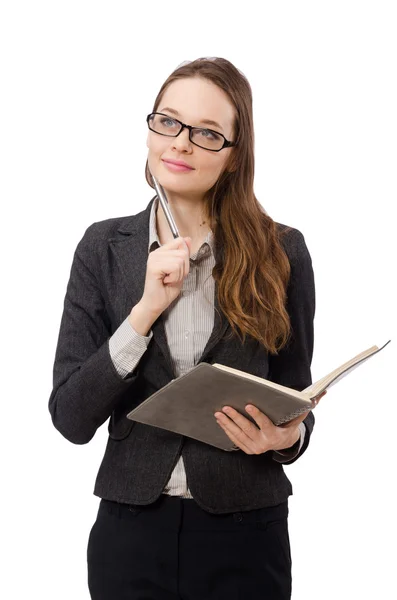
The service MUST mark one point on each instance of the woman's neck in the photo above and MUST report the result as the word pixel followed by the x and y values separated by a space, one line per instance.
pixel 189 217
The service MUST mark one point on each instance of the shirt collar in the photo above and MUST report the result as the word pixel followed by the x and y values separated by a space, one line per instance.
pixel 208 245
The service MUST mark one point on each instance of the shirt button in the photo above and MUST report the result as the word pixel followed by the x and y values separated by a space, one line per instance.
pixel 187 333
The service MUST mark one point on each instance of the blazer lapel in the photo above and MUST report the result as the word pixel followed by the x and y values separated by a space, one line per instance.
pixel 130 248
pixel 221 324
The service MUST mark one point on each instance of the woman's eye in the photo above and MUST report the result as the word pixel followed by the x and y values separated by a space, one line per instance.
pixel 211 135
pixel 168 122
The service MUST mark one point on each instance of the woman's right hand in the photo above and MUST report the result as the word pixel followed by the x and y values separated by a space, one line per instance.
pixel 165 271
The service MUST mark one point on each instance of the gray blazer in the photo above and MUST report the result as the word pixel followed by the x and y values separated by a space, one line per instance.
pixel 106 280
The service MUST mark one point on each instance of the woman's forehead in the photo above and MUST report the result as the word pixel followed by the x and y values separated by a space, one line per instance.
pixel 198 100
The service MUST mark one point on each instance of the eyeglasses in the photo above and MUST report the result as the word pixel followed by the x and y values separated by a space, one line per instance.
pixel 200 136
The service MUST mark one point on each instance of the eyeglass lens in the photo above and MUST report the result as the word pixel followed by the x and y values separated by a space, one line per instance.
pixel 202 137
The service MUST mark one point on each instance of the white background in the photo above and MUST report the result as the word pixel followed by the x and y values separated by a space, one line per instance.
pixel 78 79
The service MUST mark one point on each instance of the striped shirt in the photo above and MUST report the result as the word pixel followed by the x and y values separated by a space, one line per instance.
pixel 188 323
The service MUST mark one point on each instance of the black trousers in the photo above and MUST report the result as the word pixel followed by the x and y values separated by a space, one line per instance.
pixel 174 550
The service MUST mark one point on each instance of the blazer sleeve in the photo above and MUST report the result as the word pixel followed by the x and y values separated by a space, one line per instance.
pixel 291 367
pixel 86 383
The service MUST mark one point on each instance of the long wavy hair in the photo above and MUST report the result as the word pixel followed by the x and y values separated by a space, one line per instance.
pixel 252 269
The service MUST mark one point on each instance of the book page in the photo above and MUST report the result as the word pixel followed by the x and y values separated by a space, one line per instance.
pixel 282 388
pixel 326 382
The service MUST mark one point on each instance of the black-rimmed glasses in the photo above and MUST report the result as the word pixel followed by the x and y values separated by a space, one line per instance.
pixel 200 136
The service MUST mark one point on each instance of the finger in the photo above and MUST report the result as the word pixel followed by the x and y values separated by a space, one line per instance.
pixel 296 421
pixel 240 444
pixel 239 422
pixel 302 417
pixel 183 250
pixel 176 243
pixel 186 255
pixel 176 253
pixel 172 269
pixel 173 275
pixel 317 399
pixel 262 420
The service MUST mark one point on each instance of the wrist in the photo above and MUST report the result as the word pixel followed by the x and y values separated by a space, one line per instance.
pixel 292 441
pixel 141 319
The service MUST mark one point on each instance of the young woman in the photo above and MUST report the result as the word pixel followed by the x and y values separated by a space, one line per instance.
pixel 179 518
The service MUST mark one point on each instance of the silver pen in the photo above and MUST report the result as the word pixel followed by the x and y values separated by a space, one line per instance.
pixel 164 204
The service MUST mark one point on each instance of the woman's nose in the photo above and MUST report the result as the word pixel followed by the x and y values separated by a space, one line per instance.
pixel 182 141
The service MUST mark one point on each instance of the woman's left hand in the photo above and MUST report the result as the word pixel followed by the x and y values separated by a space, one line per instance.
pixel 265 436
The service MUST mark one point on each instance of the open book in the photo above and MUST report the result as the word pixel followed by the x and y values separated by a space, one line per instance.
pixel 187 404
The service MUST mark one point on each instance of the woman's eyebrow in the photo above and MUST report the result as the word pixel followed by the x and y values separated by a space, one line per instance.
pixel 204 121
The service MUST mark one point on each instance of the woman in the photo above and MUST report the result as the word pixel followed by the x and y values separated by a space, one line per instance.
pixel 179 518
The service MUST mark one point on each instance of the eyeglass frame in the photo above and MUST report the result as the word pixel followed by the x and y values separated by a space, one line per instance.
pixel 226 143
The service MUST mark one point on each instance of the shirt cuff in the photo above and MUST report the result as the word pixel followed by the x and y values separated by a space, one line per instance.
pixel 286 455
pixel 126 347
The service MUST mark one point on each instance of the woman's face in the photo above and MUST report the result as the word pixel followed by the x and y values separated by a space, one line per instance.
pixel 192 101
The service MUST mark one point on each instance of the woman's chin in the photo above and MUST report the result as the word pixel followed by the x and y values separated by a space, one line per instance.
pixel 176 184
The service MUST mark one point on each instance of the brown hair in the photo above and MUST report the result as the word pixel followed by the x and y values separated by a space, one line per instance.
pixel 252 269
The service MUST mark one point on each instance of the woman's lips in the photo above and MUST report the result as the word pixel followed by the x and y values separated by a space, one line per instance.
pixel 176 168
